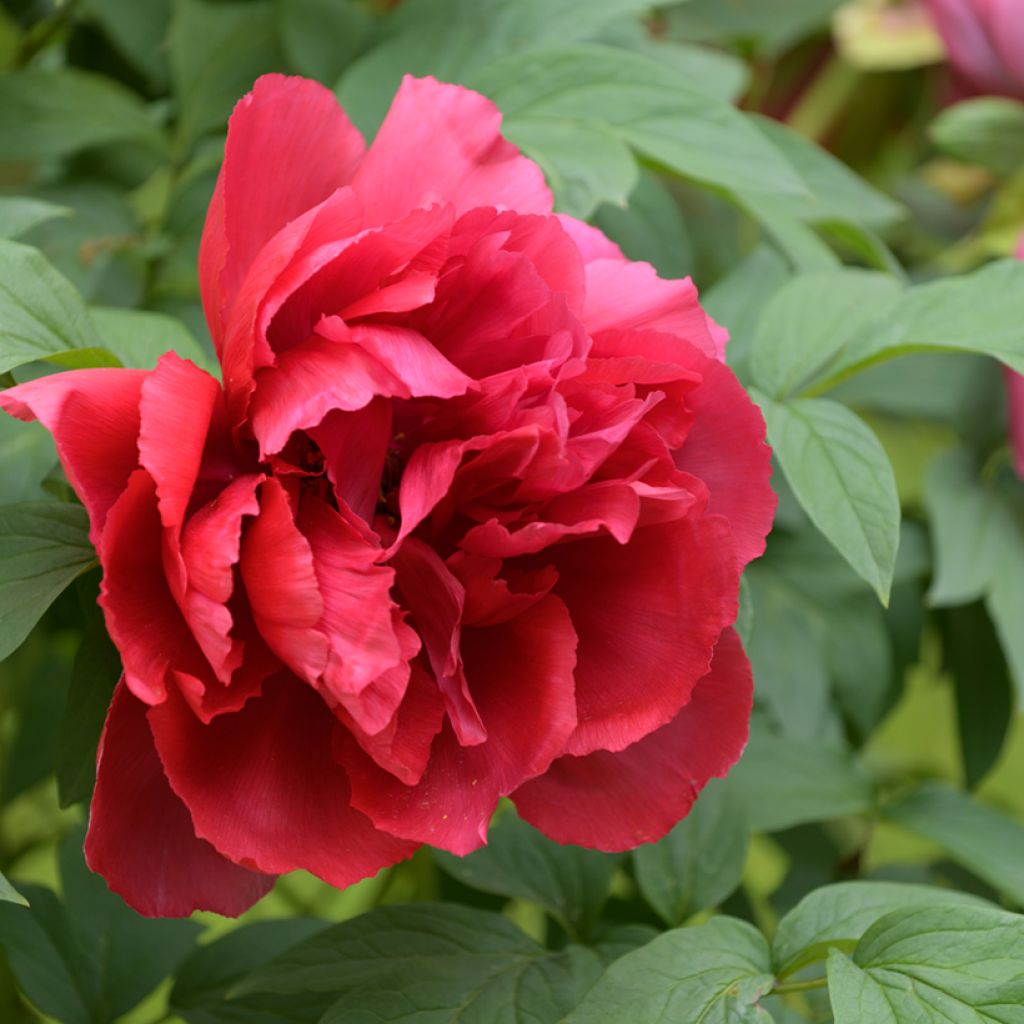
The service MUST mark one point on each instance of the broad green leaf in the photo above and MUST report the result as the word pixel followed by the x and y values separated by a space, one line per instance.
pixel 1005 602
pixel 453 39
pixel 979 838
pixel 96 669
pixel 977 312
pixel 43 547
pixel 202 982
pixel 650 228
pixel 933 965
pixel 216 51
pixel 518 861
pixel 968 523
pixel 138 337
pixel 715 973
pixel 646 105
pixel 321 38
pixel 27 454
pixel 19 214
pixel 428 964
pixel 842 477
pixel 809 322
pixel 789 782
pixel 8 894
pixel 139 31
pixel 984 689
pixel 700 862
pixel 51 113
pixel 41 314
pixel 836 916
pixel 988 131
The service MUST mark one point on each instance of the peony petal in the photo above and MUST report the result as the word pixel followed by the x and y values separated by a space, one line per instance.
pixel 176 408
pixel 442 143
pixel 521 675
pixel 972 45
pixel 647 614
pixel 262 786
pixel 141 838
pixel 726 448
pixel 281 582
pixel 592 243
pixel 613 802
pixel 289 147
pixel 94 418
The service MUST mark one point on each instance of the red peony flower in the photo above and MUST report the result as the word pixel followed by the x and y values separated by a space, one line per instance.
pixel 465 520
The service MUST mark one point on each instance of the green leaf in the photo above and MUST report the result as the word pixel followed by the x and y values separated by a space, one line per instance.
pixel 933 964
pixel 95 673
pixel 8 894
pixel 715 973
pixel 842 477
pixel 216 51
pixel 19 214
pixel 453 39
pixel 139 32
pixel 202 982
pixel 988 131
pixel 321 38
pixel 43 547
pixel 27 454
pixel 789 782
pixel 41 314
pixel 138 337
pixel 89 957
pixel 430 964
pixel 977 837
pixel 570 882
pixel 836 916
pixel 700 862
pixel 645 105
pixel 809 322
pixel 53 113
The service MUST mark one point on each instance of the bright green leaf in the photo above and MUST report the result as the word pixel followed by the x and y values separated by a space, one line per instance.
pixel 933 965
pixel 842 477
pixel 8 894
pixel 139 337
pixel 700 862
pixel 43 547
pixel 715 973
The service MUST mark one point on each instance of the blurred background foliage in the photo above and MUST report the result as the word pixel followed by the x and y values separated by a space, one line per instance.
pixel 798 158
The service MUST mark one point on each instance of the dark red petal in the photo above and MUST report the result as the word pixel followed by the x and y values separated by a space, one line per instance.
pixel 648 614
pixel 141 838
pixel 94 418
pixel 521 676
pixel 616 801
pixel 443 142
pixel 263 788
pixel 289 147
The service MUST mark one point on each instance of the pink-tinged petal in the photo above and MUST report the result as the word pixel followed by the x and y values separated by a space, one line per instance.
pixel 355 447
pixel 141 838
pixel 176 409
pixel 94 418
pixel 281 582
pixel 309 382
pixel 263 788
pixel 725 448
pixel 614 802
pixel 1015 393
pixel 142 616
pixel 289 147
pixel 435 599
pixel 971 44
pixel 357 608
pixel 648 614
pixel 1006 30
pixel 404 353
pixel 443 143
pixel 521 674
pixel 593 244
pixel 210 545
pixel 630 296
pixel 402 747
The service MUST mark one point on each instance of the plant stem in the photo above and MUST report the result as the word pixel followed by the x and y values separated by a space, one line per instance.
pixel 799 986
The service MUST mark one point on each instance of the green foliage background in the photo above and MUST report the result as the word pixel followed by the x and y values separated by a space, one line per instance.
pixel 865 861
